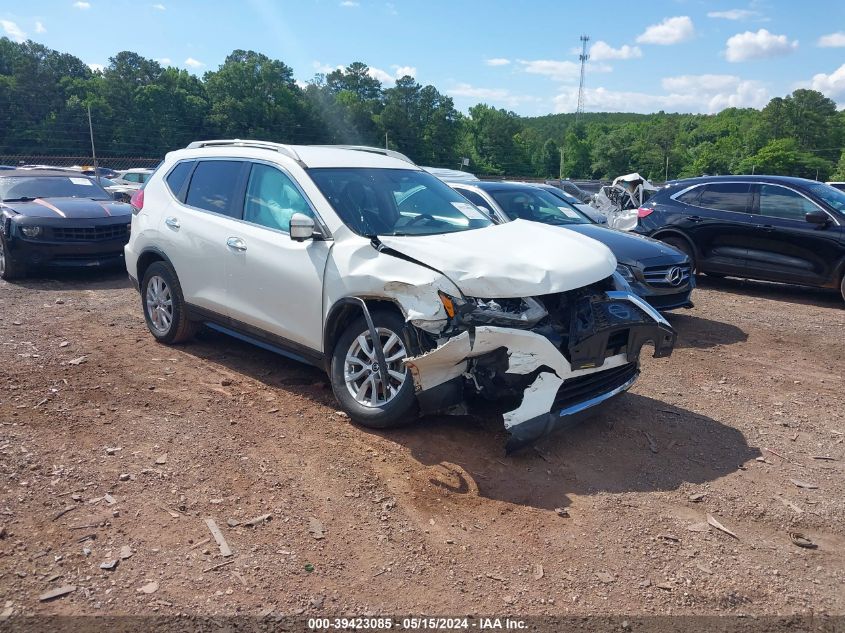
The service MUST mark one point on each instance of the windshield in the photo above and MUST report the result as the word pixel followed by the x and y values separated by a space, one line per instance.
pixel 537 205
pixel 31 187
pixel 831 195
pixel 396 202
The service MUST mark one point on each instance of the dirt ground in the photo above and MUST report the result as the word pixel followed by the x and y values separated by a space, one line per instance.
pixel 112 445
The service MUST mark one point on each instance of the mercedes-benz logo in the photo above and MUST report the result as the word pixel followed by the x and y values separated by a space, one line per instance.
pixel 675 276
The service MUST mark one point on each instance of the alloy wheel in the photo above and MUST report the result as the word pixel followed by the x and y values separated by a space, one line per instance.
pixel 2 259
pixel 362 373
pixel 159 304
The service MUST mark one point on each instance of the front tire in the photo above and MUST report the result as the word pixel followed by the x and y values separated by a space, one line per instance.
pixel 356 377
pixel 164 305
pixel 9 269
pixel 842 287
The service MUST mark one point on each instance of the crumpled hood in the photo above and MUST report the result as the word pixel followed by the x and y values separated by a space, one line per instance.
pixel 71 208
pixel 630 248
pixel 515 259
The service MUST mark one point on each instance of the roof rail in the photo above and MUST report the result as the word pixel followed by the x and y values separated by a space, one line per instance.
pixel 287 150
pixel 373 150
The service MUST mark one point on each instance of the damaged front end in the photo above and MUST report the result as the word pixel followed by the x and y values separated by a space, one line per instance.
pixel 552 357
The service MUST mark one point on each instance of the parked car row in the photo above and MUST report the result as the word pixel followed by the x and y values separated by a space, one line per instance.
pixel 416 293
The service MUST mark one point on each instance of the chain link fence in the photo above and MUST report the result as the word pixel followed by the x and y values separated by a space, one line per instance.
pixel 120 162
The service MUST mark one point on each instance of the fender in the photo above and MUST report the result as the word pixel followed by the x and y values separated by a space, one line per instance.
pixel 154 250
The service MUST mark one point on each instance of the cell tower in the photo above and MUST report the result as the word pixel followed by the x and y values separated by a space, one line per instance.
pixel 583 57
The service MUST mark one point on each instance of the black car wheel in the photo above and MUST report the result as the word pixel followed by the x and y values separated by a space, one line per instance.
pixel 164 305
pixel 9 269
pixel 356 376
pixel 682 245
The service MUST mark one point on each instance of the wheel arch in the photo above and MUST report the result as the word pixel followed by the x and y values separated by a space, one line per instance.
pixel 664 233
pixel 147 257
pixel 346 310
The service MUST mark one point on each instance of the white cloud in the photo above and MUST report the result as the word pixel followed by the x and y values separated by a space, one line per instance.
pixel 324 69
pixel 832 85
pixel 497 61
pixel 684 93
pixel 602 50
pixel 193 63
pixel 13 31
pixel 164 61
pixel 760 45
pixel 499 96
pixel 832 40
pixel 97 68
pixel 560 70
pixel 39 27
pixel 82 5
pixel 669 31
pixel 401 71
pixel 382 75
pixel 350 3
pixel 160 7
pixel 733 14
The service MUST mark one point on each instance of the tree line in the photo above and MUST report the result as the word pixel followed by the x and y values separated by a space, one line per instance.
pixel 140 108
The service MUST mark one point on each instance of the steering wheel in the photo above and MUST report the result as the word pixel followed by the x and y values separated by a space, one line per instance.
pixel 422 216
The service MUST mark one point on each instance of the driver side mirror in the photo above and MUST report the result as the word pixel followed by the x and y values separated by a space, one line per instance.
pixel 301 227
pixel 817 217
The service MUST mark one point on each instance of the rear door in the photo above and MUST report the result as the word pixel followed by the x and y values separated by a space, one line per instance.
pixel 196 228
pixel 718 219
pixel 785 247
pixel 276 283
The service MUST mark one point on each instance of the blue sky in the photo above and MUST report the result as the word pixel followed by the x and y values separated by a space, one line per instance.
pixel 675 55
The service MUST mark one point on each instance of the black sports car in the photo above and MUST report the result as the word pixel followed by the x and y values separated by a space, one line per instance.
pixel 57 219
pixel 774 228
pixel 655 271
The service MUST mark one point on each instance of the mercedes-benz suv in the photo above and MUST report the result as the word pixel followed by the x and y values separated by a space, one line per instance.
pixel 358 261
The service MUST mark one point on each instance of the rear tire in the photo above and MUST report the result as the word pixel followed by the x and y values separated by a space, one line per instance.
pixel 164 305
pixel 354 369
pixel 682 245
pixel 9 269
pixel 842 287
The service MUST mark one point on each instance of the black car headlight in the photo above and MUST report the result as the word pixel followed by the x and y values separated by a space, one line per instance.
pixel 31 230
pixel 524 312
pixel 626 272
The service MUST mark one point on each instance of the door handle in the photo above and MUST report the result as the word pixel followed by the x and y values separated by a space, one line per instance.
pixel 236 243
pixel 172 222
pixel 766 227
pixel 695 218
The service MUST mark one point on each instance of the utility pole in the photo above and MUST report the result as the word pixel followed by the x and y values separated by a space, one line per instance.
pixel 666 173
pixel 562 162
pixel 583 57
pixel 385 141
pixel 93 151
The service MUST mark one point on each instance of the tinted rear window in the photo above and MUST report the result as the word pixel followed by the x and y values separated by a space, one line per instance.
pixel 214 186
pixel 691 196
pixel 176 178
pixel 725 196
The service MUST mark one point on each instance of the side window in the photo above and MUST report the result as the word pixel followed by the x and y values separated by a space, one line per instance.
pixel 691 196
pixel 779 202
pixel 143 177
pixel 271 199
pixel 214 186
pixel 476 199
pixel 727 196
pixel 176 178
pixel 130 177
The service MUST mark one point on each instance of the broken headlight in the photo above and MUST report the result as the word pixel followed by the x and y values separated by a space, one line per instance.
pixel 523 312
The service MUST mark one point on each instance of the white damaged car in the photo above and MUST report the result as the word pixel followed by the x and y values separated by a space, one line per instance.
pixel 356 260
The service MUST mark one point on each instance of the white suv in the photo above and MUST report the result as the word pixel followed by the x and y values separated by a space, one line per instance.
pixel 356 260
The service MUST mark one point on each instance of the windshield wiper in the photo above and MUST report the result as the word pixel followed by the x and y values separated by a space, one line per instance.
pixel 21 199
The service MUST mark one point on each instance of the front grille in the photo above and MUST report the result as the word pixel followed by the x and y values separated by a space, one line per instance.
pixel 658 276
pixel 90 233
pixel 582 388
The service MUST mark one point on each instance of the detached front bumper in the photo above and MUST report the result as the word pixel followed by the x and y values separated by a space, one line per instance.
pixel 599 360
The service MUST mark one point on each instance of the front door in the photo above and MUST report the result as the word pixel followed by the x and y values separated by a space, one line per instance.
pixel 275 283
pixel 785 247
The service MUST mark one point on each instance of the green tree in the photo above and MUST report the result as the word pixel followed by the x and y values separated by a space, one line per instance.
pixel 784 157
